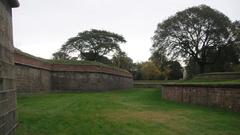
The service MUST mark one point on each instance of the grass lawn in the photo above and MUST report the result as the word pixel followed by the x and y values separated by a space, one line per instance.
pixel 196 81
pixel 132 112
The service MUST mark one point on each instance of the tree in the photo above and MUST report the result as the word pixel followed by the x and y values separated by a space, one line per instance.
pixel 160 60
pixel 192 68
pixel 121 60
pixel 150 71
pixel 227 58
pixel 169 69
pixel 228 61
pixel 175 70
pixel 61 56
pixel 158 57
pixel 93 45
pixel 136 71
pixel 195 33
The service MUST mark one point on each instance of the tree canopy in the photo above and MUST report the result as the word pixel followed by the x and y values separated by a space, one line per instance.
pixel 150 71
pixel 61 56
pixel 195 33
pixel 92 45
pixel 169 69
pixel 121 60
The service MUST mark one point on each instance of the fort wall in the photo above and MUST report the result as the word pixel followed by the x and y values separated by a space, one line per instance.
pixel 38 75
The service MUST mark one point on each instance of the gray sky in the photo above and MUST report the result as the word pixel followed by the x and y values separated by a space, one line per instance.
pixel 42 26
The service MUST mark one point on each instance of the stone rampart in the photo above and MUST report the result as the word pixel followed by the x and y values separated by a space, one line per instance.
pixel 38 75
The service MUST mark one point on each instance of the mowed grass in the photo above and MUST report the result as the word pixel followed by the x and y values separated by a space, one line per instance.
pixel 124 112
pixel 193 81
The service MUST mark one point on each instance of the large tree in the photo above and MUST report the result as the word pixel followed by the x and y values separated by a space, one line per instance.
pixel 195 33
pixel 93 45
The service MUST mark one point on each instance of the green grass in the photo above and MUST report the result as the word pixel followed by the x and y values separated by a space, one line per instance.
pixel 131 112
pixel 194 81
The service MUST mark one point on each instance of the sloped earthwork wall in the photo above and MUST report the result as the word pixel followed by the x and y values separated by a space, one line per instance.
pixel 36 75
pixel 89 78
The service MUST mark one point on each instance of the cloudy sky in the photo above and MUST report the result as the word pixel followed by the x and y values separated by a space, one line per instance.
pixel 42 26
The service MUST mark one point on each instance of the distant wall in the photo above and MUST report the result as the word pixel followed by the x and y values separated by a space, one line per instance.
pixel 8 120
pixel 89 77
pixel 219 76
pixel 147 85
pixel 224 96
pixel 36 75
pixel 80 81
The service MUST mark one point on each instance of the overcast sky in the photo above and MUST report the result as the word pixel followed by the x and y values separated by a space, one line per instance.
pixel 42 26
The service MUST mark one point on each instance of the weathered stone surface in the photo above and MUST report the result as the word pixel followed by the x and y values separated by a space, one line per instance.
pixel 32 80
pixel 36 75
pixel 7 84
pixel 80 81
pixel 227 97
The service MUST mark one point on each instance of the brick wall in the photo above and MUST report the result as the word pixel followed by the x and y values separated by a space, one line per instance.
pixel 36 75
pixel 7 83
pixel 32 80
pixel 224 96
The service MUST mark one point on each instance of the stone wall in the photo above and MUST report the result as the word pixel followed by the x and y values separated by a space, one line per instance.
pixel 89 78
pixel 32 74
pixel 87 81
pixel 224 96
pixel 32 80
pixel 7 84
pixel 38 75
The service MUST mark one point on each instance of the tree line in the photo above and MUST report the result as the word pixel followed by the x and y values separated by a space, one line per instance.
pixel 204 39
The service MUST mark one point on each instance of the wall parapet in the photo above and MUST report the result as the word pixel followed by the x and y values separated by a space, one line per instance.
pixel 28 60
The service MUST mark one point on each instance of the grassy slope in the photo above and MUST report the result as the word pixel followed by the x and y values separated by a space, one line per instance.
pixel 133 112
pixel 197 81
